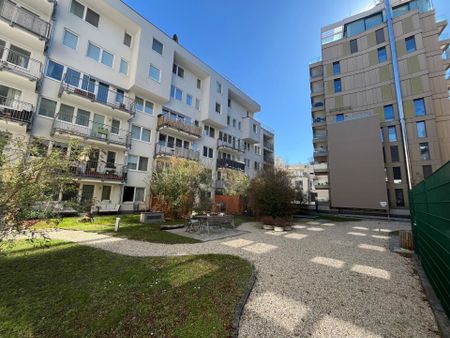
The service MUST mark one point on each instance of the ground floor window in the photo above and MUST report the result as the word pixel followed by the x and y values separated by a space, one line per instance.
pixel 399 198
pixel 133 194
pixel 106 193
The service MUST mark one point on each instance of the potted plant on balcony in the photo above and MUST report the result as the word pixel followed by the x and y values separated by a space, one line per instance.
pixel 102 132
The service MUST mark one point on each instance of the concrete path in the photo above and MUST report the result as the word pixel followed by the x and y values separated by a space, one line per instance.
pixel 322 279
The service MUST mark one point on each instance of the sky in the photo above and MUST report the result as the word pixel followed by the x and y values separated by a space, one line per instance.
pixel 264 47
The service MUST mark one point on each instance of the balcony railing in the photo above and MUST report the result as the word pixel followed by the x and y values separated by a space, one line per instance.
pixel 317 137
pixel 230 164
pixel 319 120
pixel 100 170
pixel 269 160
pixel 320 168
pixel 95 91
pixel 164 121
pixel 16 15
pixel 15 110
pixel 92 130
pixel 321 152
pixel 19 63
pixel 189 154
pixel 317 105
pixel 268 145
pixel 230 146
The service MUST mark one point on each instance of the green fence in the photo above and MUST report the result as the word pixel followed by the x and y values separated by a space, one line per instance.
pixel 430 214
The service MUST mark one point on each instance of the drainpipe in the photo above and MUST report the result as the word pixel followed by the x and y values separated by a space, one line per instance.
pixel 398 90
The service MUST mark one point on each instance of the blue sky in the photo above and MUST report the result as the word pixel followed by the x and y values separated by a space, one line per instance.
pixel 264 47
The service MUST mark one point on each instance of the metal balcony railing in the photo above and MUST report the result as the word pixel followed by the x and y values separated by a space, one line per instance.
pixel 230 146
pixel 92 130
pixel 320 136
pixel 95 91
pixel 319 120
pixel 25 19
pixel 100 169
pixel 230 164
pixel 268 145
pixel 321 152
pixel 165 121
pixel 189 154
pixel 318 104
pixel 15 110
pixel 19 63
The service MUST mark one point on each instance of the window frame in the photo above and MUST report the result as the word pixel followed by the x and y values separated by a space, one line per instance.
pixel 67 31
pixel 152 66
pixel 155 40
pixel 408 39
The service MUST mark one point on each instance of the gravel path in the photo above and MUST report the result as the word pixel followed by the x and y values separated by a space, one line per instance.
pixel 322 279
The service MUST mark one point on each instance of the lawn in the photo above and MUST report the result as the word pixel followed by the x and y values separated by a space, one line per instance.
pixel 73 291
pixel 130 228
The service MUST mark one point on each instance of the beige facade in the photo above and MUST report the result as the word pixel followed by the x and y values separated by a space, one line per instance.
pixel 356 76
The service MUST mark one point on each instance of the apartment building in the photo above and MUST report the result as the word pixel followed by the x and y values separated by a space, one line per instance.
pixel 380 104
pixel 99 73
pixel 309 179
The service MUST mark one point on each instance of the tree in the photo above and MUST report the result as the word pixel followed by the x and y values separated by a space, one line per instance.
pixel 177 184
pixel 30 178
pixel 271 194
pixel 235 182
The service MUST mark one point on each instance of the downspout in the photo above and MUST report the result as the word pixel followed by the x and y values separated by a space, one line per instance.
pixel 398 90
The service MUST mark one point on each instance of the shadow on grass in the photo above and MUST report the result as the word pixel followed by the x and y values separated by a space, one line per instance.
pixel 70 290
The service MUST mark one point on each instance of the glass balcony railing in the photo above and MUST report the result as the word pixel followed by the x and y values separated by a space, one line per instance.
pixel 20 63
pixel 25 19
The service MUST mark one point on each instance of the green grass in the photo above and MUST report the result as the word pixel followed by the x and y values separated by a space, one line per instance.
pixel 66 290
pixel 130 228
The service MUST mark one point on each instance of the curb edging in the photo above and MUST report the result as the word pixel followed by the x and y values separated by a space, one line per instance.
pixel 239 309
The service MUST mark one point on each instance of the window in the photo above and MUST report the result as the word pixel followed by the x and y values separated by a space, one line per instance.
pixel 228 120
pixel 139 133
pixel 373 21
pixel 132 162
pixel 70 40
pixel 199 84
pixel 120 96
pixel 389 112
pixel 424 151
pixel 177 70
pixel 337 85
pixel 189 100
pixel 208 152
pixel 382 134
pixel 82 118
pixel 355 28
pixel 66 113
pixel 379 35
pixel 340 118
pixel 157 46
pixel 421 129
pixel 139 195
pixel 392 134
pixel 397 174
pixel 47 108
pixel 155 73
pixel 218 108
pixel 218 87
pixel 395 157
pixel 72 77
pixel 148 107
pixel 255 128
pixel 127 39
pixel 110 159
pixel 427 171
pixel 55 70
pixel 107 58
pixel 93 51
pixel 399 199
pixel 77 9
pixel 336 68
pixel 106 193
pixel 128 194
pixel 123 67
pixel 410 44
pixel 197 104
pixel 115 127
pixel 92 17
pixel 382 55
pixel 234 123
pixel 143 164
pixel 419 107
pixel 210 131
pixel 176 93
pixel 353 46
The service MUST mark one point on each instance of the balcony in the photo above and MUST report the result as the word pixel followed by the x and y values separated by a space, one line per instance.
pixel 318 137
pixel 20 64
pixel 230 164
pixel 269 160
pixel 100 170
pixel 179 125
pixel 98 92
pixel 17 16
pixel 250 130
pixel 319 121
pixel 189 154
pixel 321 153
pixel 234 147
pixel 91 130
pixel 268 145
pixel 16 111
pixel 320 168
pixel 321 186
pixel 319 105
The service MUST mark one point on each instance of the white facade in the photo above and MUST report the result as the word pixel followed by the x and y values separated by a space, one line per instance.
pixel 118 84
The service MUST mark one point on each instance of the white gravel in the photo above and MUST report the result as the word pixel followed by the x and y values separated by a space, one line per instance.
pixel 310 282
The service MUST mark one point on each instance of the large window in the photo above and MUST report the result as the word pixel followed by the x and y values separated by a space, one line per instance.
pixel 66 113
pixel 419 107
pixel 359 26
pixel 70 39
pixel 421 129
pixel 82 118
pixel 139 133
pixel 176 93
pixel 55 70
pixel 77 9
pixel 336 68
pixel 47 108
pixel 395 157
pixel 410 44
pixel 392 134
pixel 84 13
pixel 92 17
pixel 382 55
pixel 397 175
pixel 100 55
pixel 157 46
pixel 424 151
pixel 337 85
pixel 389 112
